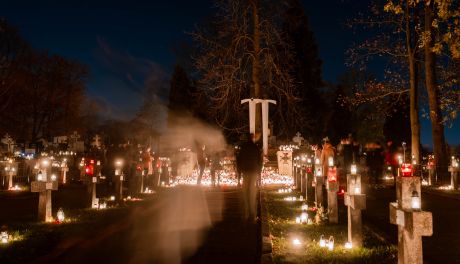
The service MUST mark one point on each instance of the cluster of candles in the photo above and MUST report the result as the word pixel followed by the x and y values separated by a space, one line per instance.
pixel 288 147
pixel 148 190
pixel 290 199
pixel 446 187
pixel 303 218
pixel 15 188
pixel 285 190
pixel 327 243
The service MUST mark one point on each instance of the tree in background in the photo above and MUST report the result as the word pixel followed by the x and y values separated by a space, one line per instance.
pixel 181 96
pixel 45 98
pixel 12 49
pixel 150 119
pixel 306 72
pixel 397 126
pixel 440 41
pixel 393 36
pixel 242 54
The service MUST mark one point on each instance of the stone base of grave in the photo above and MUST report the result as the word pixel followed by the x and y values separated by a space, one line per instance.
pixel 332 206
pixel 319 191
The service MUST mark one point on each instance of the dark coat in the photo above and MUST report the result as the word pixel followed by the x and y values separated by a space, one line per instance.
pixel 249 158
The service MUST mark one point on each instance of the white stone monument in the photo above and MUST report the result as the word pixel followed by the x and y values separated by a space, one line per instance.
pixel 9 142
pixel 285 162
pixel 252 118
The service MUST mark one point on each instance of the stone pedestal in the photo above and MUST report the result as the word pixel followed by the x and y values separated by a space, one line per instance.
pixel 412 223
pixel 10 180
pixel 332 208
pixel 303 182
pixel 142 181
pixel 11 169
pixel 310 191
pixel 454 177
pixel 355 201
pixel 319 191
pixel 94 200
pixel 431 175
pixel 44 200
pixel 119 187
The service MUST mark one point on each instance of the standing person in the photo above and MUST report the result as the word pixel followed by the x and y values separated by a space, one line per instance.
pixel 250 165
pixel 237 165
pixel 201 161
pixel 215 166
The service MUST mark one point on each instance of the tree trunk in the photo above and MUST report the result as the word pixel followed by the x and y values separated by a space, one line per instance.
pixel 256 87
pixel 413 84
pixel 437 127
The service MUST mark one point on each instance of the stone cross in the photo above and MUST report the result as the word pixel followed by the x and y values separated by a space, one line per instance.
pixel 454 169
pixel 11 169
pixel 412 222
pixel 252 118
pixel 9 142
pixel 298 138
pixel 96 141
pixel 355 201
pixel 74 137
pixel 44 185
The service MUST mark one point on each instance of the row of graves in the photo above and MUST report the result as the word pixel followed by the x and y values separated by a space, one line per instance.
pixel 310 176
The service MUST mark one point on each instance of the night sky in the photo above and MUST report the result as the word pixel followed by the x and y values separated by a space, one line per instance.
pixel 125 42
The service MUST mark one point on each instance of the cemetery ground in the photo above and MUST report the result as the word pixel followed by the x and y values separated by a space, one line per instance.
pixel 281 217
pixel 39 241
pixel 97 234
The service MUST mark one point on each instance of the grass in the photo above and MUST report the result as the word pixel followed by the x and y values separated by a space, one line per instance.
pixel 283 229
pixel 32 240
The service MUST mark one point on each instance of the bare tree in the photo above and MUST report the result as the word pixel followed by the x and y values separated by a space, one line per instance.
pixel 242 54
pixel 396 36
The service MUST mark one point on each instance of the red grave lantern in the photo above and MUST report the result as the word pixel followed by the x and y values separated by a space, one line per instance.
pixel 406 169
pixel 89 170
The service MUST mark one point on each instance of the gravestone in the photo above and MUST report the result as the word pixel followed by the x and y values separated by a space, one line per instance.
pixel 412 222
pixel 44 185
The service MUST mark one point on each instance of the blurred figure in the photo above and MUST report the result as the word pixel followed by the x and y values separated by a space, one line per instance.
pixel 237 165
pixel 147 165
pixel 215 166
pixel 250 165
pixel 173 229
pixel 201 161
